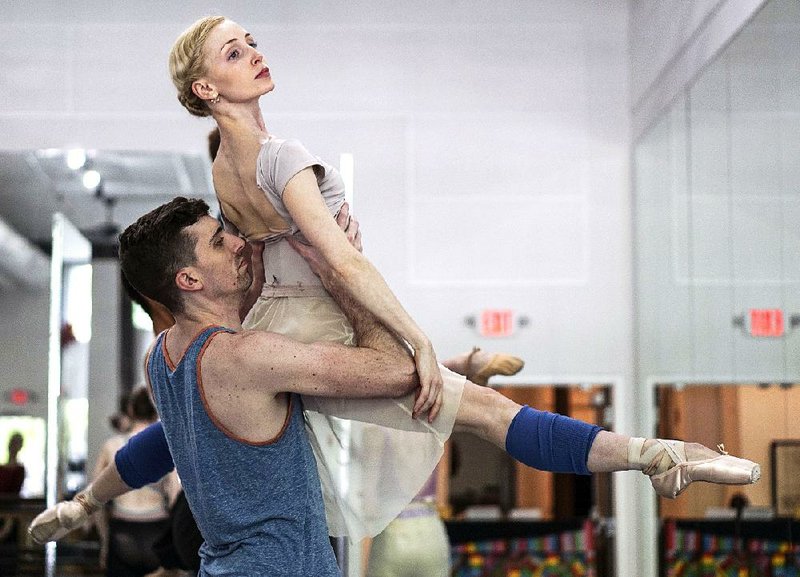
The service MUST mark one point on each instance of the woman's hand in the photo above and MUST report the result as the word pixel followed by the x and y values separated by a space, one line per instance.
pixel 429 398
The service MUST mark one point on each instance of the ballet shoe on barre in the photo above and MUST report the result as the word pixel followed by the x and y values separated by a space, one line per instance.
pixel 671 472
pixel 498 364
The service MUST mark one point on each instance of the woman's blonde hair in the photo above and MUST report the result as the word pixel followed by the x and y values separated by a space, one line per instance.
pixel 187 63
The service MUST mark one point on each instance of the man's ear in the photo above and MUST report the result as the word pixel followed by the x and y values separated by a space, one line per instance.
pixel 204 90
pixel 187 279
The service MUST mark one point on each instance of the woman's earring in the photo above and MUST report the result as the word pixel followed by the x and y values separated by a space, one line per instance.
pixel 215 100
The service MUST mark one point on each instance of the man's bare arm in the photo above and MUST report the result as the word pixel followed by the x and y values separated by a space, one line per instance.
pixel 269 361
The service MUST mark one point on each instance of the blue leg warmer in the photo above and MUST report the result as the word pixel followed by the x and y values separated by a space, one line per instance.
pixel 145 458
pixel 550 442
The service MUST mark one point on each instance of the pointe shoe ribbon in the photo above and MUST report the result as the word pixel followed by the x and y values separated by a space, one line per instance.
pixel 723 469
pixel 499 364
pixel 661 455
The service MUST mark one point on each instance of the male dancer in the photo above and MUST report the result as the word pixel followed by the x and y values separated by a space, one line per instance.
pixel 215 421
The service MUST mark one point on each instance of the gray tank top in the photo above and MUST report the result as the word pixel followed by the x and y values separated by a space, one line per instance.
pixel 258 505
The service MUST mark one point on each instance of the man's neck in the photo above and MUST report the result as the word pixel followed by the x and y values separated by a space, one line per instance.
pixel 198 316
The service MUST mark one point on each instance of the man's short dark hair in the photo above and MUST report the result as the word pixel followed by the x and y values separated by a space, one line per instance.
pixel 154 248
pixel 133 294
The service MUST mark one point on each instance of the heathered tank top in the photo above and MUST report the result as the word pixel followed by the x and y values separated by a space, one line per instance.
pixel 258 505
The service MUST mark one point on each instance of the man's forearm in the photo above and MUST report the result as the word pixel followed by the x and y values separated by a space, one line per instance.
pixel 369 331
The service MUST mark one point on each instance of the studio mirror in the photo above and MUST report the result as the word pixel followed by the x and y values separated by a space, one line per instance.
pixel 491 497
pixel 717 247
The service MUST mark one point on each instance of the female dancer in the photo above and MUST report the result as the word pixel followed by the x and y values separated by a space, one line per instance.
pixel 271 189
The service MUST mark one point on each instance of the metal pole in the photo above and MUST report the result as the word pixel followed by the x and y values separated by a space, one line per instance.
pixel 53 379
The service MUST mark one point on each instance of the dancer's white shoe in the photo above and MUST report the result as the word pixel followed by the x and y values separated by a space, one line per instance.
pixel 670 471
pixel 63 517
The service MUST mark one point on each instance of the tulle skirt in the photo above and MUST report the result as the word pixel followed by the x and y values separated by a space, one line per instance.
pixel 372 457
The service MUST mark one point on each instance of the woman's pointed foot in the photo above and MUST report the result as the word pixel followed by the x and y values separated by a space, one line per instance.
pixel 483 365
pixel 671 471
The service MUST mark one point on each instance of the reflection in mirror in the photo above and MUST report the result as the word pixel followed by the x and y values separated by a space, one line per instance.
pixel 717 249
pixel 485 482
pixel 32 453
pixel 747 419
pixel 68 366
pixel 506 518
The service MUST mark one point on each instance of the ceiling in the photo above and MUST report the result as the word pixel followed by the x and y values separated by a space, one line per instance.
pixel 34 184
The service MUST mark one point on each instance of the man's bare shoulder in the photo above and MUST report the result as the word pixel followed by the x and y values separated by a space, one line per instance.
pixel 242 343
pixel 272 362
pixel 254 350
pixel 240 388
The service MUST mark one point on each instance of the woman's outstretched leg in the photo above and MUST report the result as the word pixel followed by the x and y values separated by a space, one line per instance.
pixel 553 442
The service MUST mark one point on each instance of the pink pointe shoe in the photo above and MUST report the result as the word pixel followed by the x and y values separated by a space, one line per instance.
pixel 671 472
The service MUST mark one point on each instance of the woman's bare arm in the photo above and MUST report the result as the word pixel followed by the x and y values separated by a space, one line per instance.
pixel 363 281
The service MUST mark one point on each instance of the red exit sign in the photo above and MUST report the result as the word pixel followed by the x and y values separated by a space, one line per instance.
pixel 765 322
pixel 20 397
pixel 497 323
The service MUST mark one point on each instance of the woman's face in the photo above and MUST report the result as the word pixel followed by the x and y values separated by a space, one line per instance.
pixel 235 67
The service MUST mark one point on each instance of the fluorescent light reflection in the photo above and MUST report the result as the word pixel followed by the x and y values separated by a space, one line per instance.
pixel 76 158
pixel 79 301
pixel 91 178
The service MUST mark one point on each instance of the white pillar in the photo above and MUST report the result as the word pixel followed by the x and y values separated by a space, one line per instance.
pixel 635 513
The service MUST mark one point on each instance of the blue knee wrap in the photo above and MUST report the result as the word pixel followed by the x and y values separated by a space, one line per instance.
pixel 550 442
pixel 145 458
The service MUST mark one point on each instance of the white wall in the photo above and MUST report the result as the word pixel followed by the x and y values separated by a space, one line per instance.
pixel 659 33
pixel 23 349
pixel 490 141
pixel 670 42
